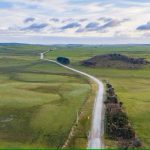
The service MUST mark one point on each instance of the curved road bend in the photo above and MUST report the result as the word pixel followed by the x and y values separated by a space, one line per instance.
pixel 95 138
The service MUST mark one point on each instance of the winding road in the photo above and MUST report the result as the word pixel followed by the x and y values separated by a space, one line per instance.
pixel 95 140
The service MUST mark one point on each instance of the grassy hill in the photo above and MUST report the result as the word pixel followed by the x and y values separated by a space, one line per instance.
pixel 115 61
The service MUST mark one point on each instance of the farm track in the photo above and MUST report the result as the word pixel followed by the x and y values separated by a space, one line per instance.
pixel 95 140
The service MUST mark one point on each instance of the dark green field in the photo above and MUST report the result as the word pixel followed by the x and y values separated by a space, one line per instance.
pixel 39 100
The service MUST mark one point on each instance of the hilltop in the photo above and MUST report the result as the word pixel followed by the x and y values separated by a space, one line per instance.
pixel 115 61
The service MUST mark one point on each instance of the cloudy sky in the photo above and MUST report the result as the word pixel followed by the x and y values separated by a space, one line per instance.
pixel 75 21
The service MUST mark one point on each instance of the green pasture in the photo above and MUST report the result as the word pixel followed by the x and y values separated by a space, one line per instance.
pixel 132 86
pixel 39 100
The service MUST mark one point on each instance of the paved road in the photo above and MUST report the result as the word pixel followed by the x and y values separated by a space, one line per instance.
pixel 95 137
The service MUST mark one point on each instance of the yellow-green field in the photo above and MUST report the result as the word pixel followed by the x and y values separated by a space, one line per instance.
pixel 39 100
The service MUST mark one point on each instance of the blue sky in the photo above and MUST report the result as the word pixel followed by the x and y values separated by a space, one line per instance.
pixel 75 21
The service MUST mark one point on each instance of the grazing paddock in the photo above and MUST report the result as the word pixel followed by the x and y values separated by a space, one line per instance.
pixel 38 102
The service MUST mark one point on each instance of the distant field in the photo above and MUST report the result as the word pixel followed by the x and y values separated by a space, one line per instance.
pixel 77 53
pixel 40 99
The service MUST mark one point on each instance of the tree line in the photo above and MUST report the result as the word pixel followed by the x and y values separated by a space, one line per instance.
pixel 117 125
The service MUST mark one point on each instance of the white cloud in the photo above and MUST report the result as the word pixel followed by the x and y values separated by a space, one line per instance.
pixel 12 19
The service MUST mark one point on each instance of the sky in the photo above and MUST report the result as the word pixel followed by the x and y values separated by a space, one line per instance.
pixel 75 21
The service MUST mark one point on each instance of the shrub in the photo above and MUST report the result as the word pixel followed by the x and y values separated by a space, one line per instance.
pixel 137 143
pixel 109 85
pixel 112 99
pixel 63 60
pixel 120 119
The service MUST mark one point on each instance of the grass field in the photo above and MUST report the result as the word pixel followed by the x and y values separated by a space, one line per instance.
pixel 132 86
pixel 40 99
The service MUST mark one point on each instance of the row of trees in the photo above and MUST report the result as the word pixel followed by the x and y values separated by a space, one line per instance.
pixel 117 123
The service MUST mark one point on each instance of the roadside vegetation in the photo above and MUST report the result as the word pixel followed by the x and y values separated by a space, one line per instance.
pixel 117 125
pixel 63 60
